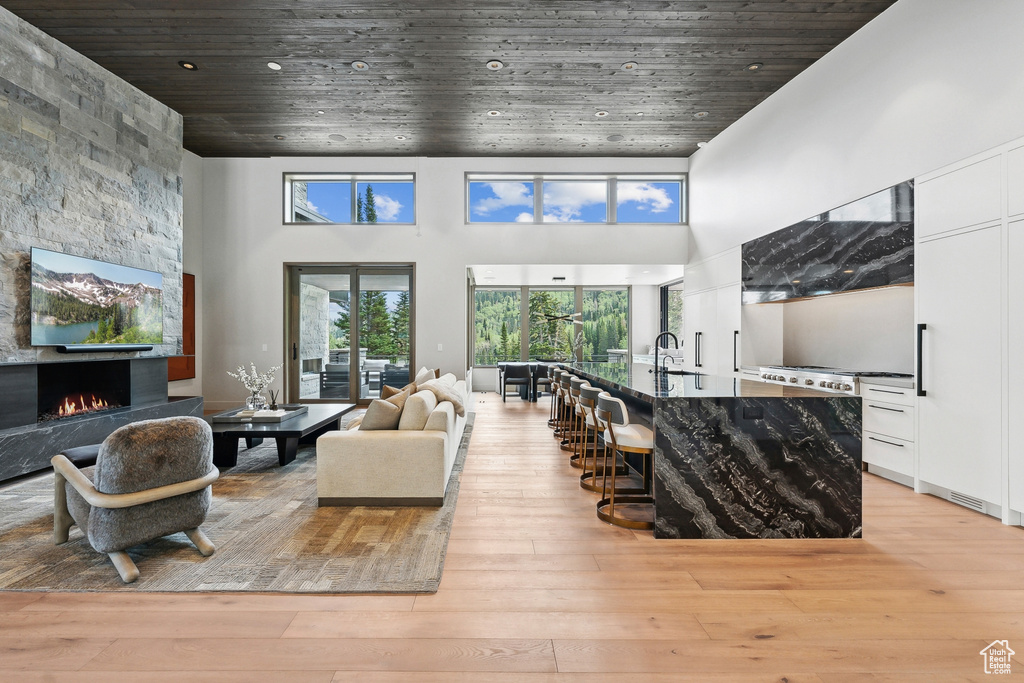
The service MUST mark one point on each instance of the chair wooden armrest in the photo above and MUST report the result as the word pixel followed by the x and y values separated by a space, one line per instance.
pixel 65 468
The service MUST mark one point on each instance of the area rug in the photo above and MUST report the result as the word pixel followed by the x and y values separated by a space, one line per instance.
pixel 270 536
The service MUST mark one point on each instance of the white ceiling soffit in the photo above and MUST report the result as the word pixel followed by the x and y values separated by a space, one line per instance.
pixel 538 275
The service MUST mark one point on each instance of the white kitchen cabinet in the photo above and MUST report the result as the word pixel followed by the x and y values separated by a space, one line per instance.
pixel 965 196
pixel 700 312
pixel 889 427
pixel 958 289
pixel 727 340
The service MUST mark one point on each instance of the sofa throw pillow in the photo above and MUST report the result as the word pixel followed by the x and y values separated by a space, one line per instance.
pixel 443 392
pixel 417 410
pixel 423 375
pixel 387 391
pixel 381 414
pixel 399 398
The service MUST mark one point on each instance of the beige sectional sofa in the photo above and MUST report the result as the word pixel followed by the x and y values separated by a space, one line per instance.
pixel 409 465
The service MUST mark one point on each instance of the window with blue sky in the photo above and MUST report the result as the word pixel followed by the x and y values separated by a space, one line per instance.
pixel 507 198
pixel 350 198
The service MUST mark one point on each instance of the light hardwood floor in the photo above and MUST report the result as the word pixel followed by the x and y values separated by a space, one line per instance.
pixel 536 589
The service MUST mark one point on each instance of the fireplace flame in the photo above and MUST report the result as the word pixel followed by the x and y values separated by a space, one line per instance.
pixel 81 406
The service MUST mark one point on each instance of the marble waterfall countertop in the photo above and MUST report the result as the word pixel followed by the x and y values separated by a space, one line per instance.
pixel 738 458
pixel 639 381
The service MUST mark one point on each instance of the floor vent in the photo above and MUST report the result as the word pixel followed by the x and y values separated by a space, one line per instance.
pixel 967 501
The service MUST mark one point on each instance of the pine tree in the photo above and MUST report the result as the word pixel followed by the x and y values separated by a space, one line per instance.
pixel 400 324
pixel 504 341
pixel 371 206
pixel 360 211
pixel 375 332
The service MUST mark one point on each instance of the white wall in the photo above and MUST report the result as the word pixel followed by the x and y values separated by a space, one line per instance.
pixel 924 84
pixel 645 316
pixel 192 260
pixel 246 246
pixel 871 330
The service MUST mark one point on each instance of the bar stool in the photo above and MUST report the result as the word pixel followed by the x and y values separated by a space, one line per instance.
pixel 576 419
pixel 593 477
pixel 629 511
pixel 562 419
pixel 553 374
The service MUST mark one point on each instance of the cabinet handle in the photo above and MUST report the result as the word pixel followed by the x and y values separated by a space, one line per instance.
pixel 884 441
pixel 295 351
pixel 696 350
pixel 921 327
pixel 895 410
pixel 735 357
pixel 886 391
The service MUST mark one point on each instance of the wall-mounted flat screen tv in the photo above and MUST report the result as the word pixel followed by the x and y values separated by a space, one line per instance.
pixel 78 300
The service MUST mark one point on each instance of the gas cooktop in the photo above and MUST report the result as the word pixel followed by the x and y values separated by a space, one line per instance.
pixel 821 378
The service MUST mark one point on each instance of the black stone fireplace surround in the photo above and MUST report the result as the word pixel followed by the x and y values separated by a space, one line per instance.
pixel 137 386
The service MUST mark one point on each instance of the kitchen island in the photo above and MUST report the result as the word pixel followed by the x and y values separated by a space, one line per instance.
pixel 736 458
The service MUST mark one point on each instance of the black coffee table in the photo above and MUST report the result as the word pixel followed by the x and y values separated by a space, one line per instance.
pixel 322 417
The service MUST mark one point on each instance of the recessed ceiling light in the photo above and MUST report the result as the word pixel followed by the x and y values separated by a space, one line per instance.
pixel 320 112
pixel 630 66
pixel 495 65
pixel 279 137
pixel 360 65
pixel 848 271
pixel 639 113
pixel 601 114
pixel 666 145
pixel 273 66
pixel 494 144
pixel 401 137
pixel 796 282
pixel 488 271
pixel 583 144
pixel 494 112
pixel 645 271
pixel 616 138
pixel 754 66
pixel 337 137
pixel 700 115
pixel 188 66
pixel 702 144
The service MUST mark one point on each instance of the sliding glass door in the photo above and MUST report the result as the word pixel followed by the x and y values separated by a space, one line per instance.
pixel 344 353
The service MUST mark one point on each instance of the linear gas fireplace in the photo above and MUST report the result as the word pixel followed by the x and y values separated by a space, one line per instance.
pixel 48 407
pixel 75 389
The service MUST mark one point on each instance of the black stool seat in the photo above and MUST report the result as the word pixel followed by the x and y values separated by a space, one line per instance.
pixel 82 456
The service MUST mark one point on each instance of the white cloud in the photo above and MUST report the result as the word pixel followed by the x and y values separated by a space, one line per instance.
pixel 646 195
pixel 387 208
pixel 311 206
pixel 505 194
pixel 564 200
pixel 524 217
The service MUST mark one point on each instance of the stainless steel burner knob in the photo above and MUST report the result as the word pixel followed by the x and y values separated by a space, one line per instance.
pixel 792 380
pixel 821 383
pixel 809 382
pixel 847 387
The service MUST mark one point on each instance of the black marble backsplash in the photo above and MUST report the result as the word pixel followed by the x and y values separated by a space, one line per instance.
pixel 864 244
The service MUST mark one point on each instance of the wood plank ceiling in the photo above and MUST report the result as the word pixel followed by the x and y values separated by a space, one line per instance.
pixel 427 90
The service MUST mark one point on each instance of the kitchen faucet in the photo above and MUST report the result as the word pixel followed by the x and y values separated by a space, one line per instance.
pixel 657 342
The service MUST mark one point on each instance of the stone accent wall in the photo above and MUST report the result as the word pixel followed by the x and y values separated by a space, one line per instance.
pixel 315 321
pixel 90 166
